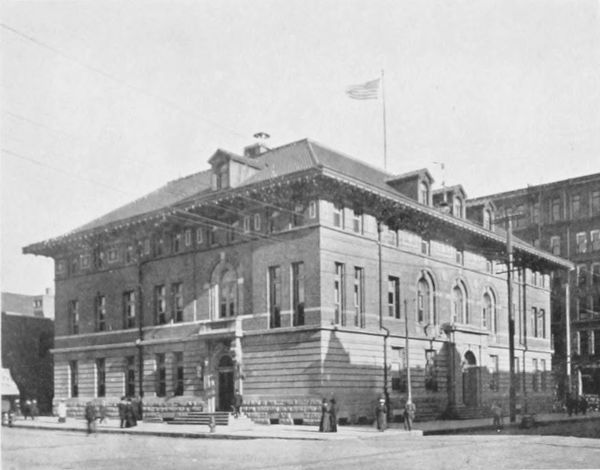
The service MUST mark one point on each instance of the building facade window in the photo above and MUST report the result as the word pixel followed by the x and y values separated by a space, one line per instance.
pixel 581 241
pixel 161 375
pixel 457 207
pixel 533 322
pixel 130 376
pixel 274 297
pixel 113 255
pixel 100 312
pixel 555 245
pixel 85 261
pixel 73 317
pixel 460 257
pixel 424 193
pixel 159 246
pixel 426 311
pixel 431 382
pixel 488 312
pixel 246 224
pixel 494 373
pixel 541 324
pixel 575 206
pixel 359 297
pixel 129 309
pixel 199 236
pixel 338 216
pixel 535 213
pixel 460 311
pixel 555 209
pixel 298 216
pixel 393 297
pixel 212 236
pixel 160 305
pixel 596 342
pixel 298 293
pixel 100 377
pixel 129 254
pixel 177 301
pixel 339 294
pixel 256 222
pixel 595 240
pixel 595 202
pixel 74 378
pixel 425 247
pixel 188 237
pixel 583 343
pixel 487 219
pixel 357 222
pixel 312 209
pixel 176 243
pixel 228 294
pixel 398 363
pixel 582 276
pixel 178 377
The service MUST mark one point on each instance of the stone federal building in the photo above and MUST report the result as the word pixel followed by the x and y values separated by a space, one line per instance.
pixel 290 275
pixel 563 218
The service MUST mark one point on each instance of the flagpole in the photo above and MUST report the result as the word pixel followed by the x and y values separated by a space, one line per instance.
pixel 384 124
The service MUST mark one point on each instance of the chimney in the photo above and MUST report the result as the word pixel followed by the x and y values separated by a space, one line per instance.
pixel 257 148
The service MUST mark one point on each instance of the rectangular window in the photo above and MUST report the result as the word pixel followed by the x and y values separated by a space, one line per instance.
pixel 595 240
pixel 581 240
pixel 555 245
pixel 274 297
pixel 392 237
pixel 199 236
pixel 460 257
pixel 98 258
pixel 544 383
pixel 176 242
pixel 74 317
pixel 575 206
pixel 188 237
pixel 256 222
pixel 74 375
pixel 130 377
pixel 357 222
pixel 398 364
pixel 246 223
pixel 298 216
pixel 159 246
pixel 533 322
pixel 178 379
pixel 555 209
pixel 113 255
pixel 177 301
pixel 231 232
pixel 146 246
pixel 494 373
pixel 583 343
pixel 298 293
pixel 100 313
pixel 100 377
pixel 74 265
pixel 312 209
pixel 535 213
pixel 541 323
pixel 339 294
pixel 129 254
pixel 129 309
pixel 85 261
pixel 535 375
pixel 160 305
pixel 212 236
pixel 430 371
pixel 393 297
pixel 338 216
pixel 161 376
pixel 359 297
pixel 595 202
pixel 425 247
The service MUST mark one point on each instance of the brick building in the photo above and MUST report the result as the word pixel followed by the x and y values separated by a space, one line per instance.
pixel 563 218
pixel 27 337
pixel 289 275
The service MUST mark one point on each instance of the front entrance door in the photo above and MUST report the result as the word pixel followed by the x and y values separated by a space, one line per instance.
pixel 470 380
pixel 226 384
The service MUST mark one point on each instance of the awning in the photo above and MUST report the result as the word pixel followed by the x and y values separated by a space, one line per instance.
pixel 9 387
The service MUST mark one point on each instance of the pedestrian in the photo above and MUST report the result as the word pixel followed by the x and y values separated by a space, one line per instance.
pixel 583 404
pixel 333 414
pixel 497 416
pixel 26 409
pixel 409 414
pixel 34 409
pixel 138 409
pixel 122 406
pixel 381 414
pixel 102 412
pixel 237 404
pixel 325 424
pixel 130 420
pixel 90 417
pixel 61 410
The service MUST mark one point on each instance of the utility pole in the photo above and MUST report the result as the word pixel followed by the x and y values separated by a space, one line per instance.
pixel 511 321
pixel 568 333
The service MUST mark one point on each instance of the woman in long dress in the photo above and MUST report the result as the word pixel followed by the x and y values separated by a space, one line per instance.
pixel 325 425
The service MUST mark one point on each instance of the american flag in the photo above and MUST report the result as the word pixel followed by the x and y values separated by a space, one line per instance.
pixel 364 91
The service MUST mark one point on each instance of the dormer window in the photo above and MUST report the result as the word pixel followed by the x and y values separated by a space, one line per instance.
pixel 222 177
pixel 424 193
pixel 487 219
pixel 457 208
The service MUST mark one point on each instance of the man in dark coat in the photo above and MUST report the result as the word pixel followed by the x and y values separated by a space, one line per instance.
pixel 325 424
pixel 122 406
pixel 333 414
pixel 90 417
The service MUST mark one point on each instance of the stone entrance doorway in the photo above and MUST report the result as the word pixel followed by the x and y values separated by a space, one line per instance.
pixel 226 388
pixel 470 380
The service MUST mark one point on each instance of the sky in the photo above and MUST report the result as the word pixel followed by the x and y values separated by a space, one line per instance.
pixel 102 102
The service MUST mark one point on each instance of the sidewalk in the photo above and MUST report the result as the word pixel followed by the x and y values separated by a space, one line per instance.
pixel 249 430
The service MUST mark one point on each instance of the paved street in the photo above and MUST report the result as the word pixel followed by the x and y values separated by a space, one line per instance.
pixel 44 449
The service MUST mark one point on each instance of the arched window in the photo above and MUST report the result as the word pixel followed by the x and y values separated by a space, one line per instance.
pixel 460 312
pixel 425 300
pixel 488 311
pixel 228 294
